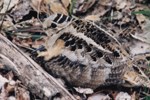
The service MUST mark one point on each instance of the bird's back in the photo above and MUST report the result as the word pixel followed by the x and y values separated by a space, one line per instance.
pixel 86 55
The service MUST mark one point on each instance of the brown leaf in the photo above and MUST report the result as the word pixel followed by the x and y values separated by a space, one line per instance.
pixel 117 15
pixel 141 18
pixel 84 6
pixel 66 3
pixel 6 4
pixel 3 80
pixel 92 17
pixel 106 2
pixel 84 90
pixel 56 7
pixel 20 10
pixel 9 87
pixel 99 96
pixel 121 4
pixel 35 4
pixel 133 96
pixel 139 48
pixel 123 96
pixel 22 94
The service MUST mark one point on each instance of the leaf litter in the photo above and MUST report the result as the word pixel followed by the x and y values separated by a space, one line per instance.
pixel 127 20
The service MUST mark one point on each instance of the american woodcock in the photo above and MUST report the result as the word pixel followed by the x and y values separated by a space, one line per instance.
pixel 86 55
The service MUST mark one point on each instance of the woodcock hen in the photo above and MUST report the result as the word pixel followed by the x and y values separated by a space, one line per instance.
pixel 86 55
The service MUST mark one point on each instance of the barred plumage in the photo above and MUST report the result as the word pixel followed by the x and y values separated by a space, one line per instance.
pixel 87 55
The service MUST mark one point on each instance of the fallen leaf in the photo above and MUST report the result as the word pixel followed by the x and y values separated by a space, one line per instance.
pixel 22 94
pixel 66 3
pixel 1 3
pixel 84 7
pixel 20 10
pixel 106 2
pixel 92 17
pixel 11 98
pixel 141 19
pixel 8 4
pixel 145 36
pixel 121 4
pixel 123 96
pixel 139 48
pixel 56 7
pixel 2 81
pixel 117 15
pixel 84 90
pixel 9 87
pixel 133 96
pixel 7 24
pixel 35 4
pixel 99 96
pixel 125 19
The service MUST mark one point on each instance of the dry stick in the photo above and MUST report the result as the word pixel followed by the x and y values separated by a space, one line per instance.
pixel 39 82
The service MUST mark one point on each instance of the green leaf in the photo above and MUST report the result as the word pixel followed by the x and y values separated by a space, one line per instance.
pixel 145 12
pixel 72 6
pixel 147 98
pixel 35 37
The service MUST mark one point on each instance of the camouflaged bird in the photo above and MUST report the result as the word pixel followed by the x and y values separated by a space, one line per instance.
pixel 86 55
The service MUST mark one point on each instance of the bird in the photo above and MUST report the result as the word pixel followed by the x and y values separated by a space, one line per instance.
pixel 86 55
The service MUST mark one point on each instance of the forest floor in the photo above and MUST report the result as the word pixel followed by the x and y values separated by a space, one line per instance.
pixel 127 20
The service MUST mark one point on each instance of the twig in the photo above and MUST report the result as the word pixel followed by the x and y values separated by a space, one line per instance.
pixel 39 82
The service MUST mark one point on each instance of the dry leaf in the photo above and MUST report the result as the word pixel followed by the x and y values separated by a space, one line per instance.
pixel 7 24
pixel 10 88
pixel 133 96
pixel 139 48
pixel 66 3
pixel 99 96
pixel 125 19
pixel 106 2
pixel 92 17
pixel 146 28
pixel 11 98
pixel 6 4
pixel 1 4
pixel 22 94
pixel 2 81
pixel 83 6
pixel 123 96
pixel 35 4
pixel 50 5
pixel 141 19
pixel 145 36
pixel 117 15
pixel 3 94
pixel 121 4
pixel 56 7
pixel 20 10
pixel 84 90
pixel 100 8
